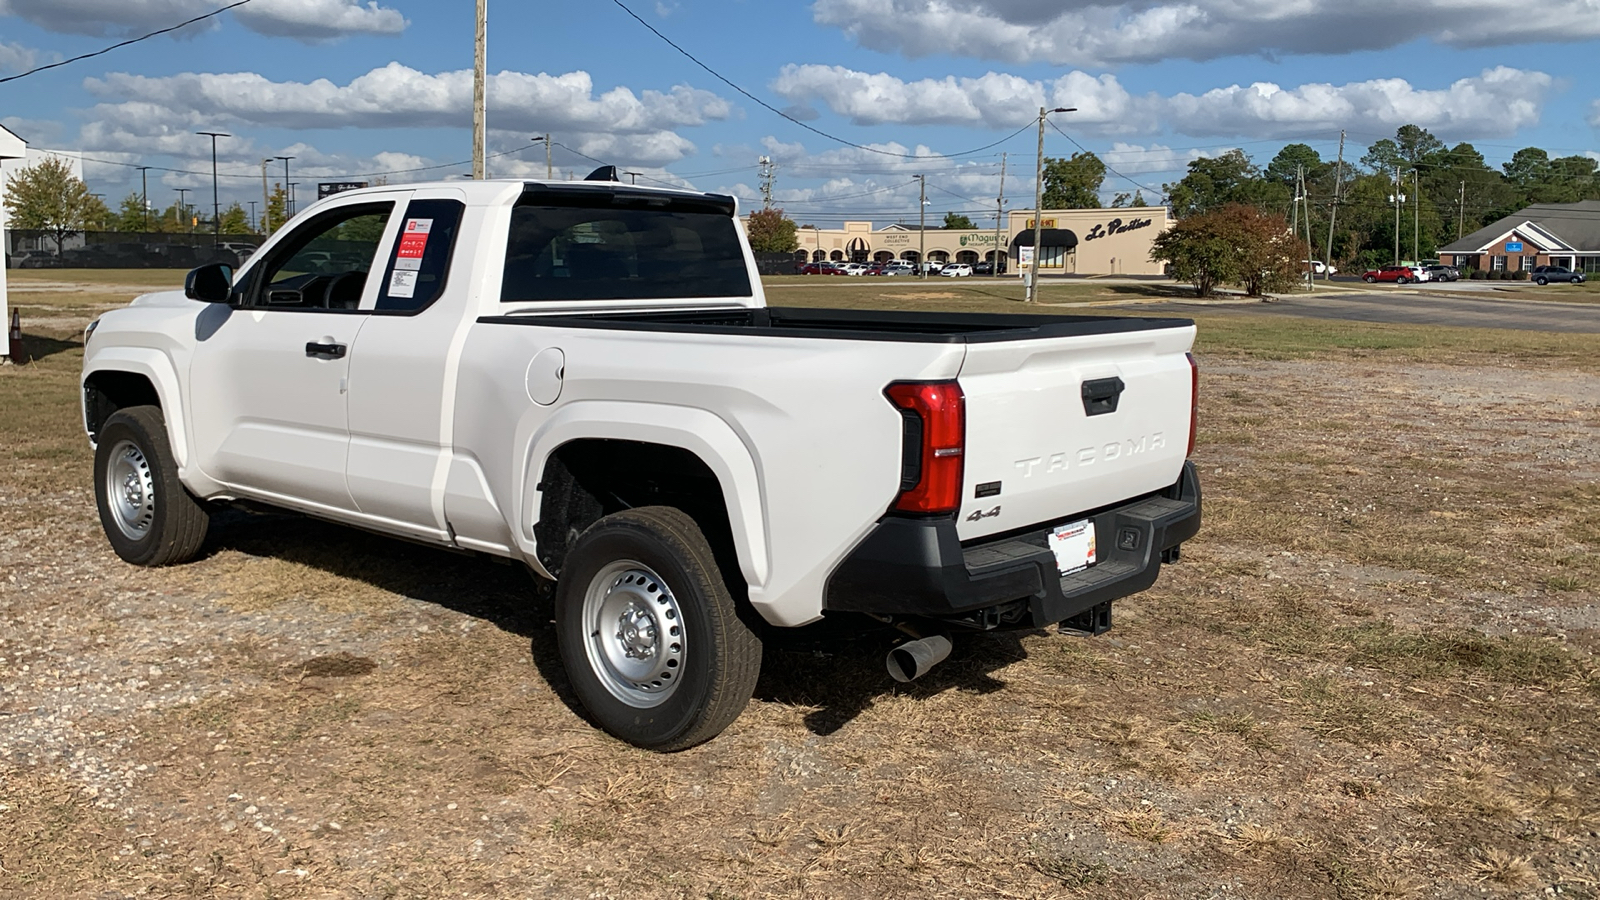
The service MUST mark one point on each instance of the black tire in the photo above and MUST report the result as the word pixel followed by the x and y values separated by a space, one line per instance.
pixel 1401 280
pixel 1368 279
pixel 1540 282
pixel 154 522
pixel 654 553
pixel 1576 280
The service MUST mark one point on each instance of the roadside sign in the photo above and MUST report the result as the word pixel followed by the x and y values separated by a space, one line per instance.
pixel 1513 246
pixel 326 189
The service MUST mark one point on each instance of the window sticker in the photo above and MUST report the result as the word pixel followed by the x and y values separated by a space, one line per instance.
pixel 408 257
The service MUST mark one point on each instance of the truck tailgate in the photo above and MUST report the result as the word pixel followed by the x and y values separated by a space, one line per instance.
pixel 1044 442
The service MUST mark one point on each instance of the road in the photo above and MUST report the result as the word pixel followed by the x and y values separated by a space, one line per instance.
pixel 1412 307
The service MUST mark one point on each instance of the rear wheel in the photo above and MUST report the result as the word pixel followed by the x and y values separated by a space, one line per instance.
pixel 649 634
pixel 148 517
pixel 1401 280
pixel 1541 281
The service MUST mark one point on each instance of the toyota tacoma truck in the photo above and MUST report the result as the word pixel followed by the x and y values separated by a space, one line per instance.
pixel 586 378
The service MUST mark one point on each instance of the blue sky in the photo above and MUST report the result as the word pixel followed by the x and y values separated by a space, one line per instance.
pixel 353 88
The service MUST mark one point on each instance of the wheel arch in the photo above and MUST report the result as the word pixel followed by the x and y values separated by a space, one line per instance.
pixel 120 377
pixel 592 447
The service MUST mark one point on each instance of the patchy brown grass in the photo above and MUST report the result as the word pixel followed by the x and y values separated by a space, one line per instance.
pixel 1372 675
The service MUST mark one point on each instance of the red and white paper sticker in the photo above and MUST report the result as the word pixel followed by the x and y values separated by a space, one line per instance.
pixel 408 257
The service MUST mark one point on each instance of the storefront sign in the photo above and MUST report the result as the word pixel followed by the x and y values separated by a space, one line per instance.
pixel 1048 223
pixel 894 238
pixel 1513 246
pixel 1117 226
pixel 977 239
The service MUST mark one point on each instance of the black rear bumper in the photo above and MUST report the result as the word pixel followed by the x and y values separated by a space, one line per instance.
pixel 917 567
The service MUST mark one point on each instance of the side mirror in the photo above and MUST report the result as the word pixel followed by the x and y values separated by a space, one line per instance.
pixel 211 283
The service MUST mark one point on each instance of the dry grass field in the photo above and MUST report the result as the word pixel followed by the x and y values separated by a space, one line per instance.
pixel 1372 676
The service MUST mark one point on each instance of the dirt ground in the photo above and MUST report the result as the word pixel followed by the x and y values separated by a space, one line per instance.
pixel 1372 675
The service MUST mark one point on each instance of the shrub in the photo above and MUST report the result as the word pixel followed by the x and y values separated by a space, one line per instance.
pixel 1519 275
pixel 1237 243
pixel 1476 275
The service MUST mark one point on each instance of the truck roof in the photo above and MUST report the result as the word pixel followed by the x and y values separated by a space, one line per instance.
pixel 495 190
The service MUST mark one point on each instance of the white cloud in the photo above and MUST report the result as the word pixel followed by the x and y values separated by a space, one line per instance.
pixel 995 100
pixel 1135 159
pixel 1495 103
pixel 15 57
pixel 307 20
pixel 1105 33
pixel 398 96
pixel 1594 114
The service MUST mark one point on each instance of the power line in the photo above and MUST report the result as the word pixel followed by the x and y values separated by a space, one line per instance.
pixel 145 37
pixel 811 128
pixel 1160 194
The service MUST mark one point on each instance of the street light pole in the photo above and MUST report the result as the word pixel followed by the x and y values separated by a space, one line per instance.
pixel 1416 220
pixel 1038 202
pixel 144 194
pixel 183 202
pixel 549 170
pixel 288 197
pixel 216 206
pixel 922 227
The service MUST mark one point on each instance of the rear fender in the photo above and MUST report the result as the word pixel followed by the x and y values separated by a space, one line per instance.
pixel 702 433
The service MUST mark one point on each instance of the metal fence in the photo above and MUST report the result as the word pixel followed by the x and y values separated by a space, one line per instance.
pixel 125 250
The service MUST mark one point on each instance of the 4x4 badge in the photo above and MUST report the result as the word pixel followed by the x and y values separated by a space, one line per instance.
pixel 978 514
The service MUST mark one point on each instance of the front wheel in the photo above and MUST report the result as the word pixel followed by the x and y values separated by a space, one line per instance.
pixel 147 515
pixel 1577 280
pixel 1540 282
pixel 1368 279
pixel 649 634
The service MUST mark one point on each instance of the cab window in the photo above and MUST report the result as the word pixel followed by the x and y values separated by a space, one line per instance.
pixel 324 263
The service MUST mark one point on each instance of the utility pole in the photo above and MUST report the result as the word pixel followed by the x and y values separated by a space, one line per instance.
pixel 480 163
pixel 253 215
pixel 1416 221
pixel 1461 210
pixel 1294 205
pixel 216 206
pixel 922 226
pixel 183 204
pixel 766 181
pixel 1305 194
pixel 288 190
pixel 999 215
pixel 1038 201
pixel 1397 198
pixel 144 194
pixel 549 170
pixel 1333 211
pixel 266 200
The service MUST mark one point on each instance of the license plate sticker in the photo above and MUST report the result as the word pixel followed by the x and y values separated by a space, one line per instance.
pixel 1073 545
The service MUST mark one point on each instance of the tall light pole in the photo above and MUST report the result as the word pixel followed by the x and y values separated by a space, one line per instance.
pixel 183 202
pixel 1038 201
pixel 252 215
pixel 1416 217
pixel 549 170
pixel 288 196
pixel 216 206
pixel 480 62
pixel 1398 199
pixel 922 227
pixel 144 194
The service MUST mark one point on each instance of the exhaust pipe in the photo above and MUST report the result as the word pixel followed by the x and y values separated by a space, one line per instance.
pixel 913 659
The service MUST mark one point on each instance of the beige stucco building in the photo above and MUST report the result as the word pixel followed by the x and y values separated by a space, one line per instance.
pixel 1075 241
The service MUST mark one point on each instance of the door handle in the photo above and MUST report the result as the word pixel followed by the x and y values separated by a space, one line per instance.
pixel 1100 396
pixel 324 351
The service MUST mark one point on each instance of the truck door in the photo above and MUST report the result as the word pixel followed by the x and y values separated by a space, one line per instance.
pixel 269 375
pixel 402 375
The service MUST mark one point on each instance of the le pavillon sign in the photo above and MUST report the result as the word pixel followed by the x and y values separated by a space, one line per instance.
pixel 1116 226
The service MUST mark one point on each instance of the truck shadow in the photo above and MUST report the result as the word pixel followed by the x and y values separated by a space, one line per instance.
pixel 839 682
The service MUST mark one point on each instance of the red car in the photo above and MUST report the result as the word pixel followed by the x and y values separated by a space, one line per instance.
pixel 822 268
pixel 1396 274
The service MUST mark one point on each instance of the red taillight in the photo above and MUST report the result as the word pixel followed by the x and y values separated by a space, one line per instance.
pixel 1194 401
pixel 941 409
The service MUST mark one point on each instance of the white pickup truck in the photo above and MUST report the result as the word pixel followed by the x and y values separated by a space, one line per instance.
pixel 585 377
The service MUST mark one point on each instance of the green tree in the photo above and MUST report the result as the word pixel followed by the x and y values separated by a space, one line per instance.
pixel 235 220
pixel 273 217
pixel 1215 182
pixel 131 215
pixel 957 220
pixel 1237 243
pixel 1290 160
pixel 772 232
pixel 47 197
pixel 1073 183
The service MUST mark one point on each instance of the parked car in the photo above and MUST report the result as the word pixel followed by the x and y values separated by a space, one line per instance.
pixel 1420 273
pixel 933 267
pixel 1318 267
pixel 1396 274
pixel 956 270
pixel 855 268
pixel 512 405
pixel 899 267
pixel 1442 273
pixel 1547 274
pixel 987 268
pixel 823 268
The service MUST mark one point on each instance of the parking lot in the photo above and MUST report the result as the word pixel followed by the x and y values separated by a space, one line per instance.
pixel 1372 675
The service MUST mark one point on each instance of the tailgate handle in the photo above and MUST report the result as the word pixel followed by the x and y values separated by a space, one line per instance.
pixel 1100 395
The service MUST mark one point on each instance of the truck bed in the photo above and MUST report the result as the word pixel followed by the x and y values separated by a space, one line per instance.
pixel 852 324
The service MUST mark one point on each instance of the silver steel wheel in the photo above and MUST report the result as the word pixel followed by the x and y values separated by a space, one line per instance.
pixel 635 634
pixel 131 490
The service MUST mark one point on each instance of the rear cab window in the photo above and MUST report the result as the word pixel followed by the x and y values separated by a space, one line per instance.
pixel 598 244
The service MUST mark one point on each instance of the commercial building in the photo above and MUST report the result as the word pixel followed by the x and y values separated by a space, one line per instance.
pixel 1547 234
pixel 1073 241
